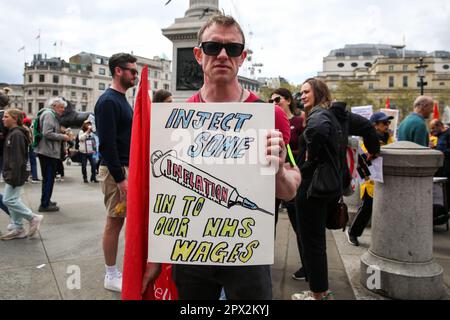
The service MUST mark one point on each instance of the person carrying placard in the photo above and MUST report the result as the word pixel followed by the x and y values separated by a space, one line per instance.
pixel 221 52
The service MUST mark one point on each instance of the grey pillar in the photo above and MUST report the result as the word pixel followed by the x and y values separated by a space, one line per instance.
pixel 399 263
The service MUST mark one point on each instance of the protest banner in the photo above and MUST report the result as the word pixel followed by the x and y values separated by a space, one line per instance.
pixel 212 194
pixel 364 111
pixel 394 122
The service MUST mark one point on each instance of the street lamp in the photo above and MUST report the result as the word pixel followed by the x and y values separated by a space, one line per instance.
pixel 421 71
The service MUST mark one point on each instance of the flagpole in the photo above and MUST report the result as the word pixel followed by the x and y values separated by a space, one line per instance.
pixel 39 41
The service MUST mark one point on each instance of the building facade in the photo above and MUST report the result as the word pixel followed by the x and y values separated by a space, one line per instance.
pixel 82 80
pixel 386 71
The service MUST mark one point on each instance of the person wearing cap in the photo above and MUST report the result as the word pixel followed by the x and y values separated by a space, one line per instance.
pixel 381 122
pixel 87 147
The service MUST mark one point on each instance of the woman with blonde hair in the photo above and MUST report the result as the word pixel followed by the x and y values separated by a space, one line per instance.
pixel 15 157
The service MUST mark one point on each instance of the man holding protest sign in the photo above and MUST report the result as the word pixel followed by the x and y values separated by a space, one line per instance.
pixel 221 53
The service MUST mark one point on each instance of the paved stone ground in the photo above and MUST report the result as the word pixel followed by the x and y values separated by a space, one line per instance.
pixel 37 269
pixel 351 257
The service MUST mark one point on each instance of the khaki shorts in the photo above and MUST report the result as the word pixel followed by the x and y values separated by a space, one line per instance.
pixel 114 208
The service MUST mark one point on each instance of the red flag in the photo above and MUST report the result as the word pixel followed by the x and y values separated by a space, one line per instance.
pixel 436 114
pixel 136 235
pixel 388 103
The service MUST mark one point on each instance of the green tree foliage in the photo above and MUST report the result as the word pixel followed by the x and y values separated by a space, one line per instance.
pixel 353 93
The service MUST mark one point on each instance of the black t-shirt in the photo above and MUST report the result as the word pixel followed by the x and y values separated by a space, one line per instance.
pixel 113 119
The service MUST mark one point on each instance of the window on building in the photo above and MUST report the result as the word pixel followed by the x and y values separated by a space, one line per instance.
pixel 405 67
pixel 370 86
pixel 41 92
pixel 101 86
pixel 368 65
pixel 391 68
pixel 166 87
pixel 55 93
pixel 167 76
pixel 102 71
pixel 155 85
pixel 30 78
pixel 391 82
pixel 73 94
pixel 341 65
pixel 30 108
pixel 156 74
pixel 41 105
pixel 405 82
pixel 55 79
pixel 442 83
pixel 74 80
pixel 354 64
pixel 84 95
pixel 42 78
pixel 84 82
pixel 83 107
pixel 30 93
pixel 446 67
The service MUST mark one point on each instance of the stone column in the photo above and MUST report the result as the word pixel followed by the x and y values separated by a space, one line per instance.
pixel 187 75
pixel 399 263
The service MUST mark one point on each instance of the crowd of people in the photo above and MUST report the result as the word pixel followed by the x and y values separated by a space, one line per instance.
pixel 310 189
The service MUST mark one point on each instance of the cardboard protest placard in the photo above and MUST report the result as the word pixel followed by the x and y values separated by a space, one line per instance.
pixel 394 122
pixel 212 193
pixel 365 111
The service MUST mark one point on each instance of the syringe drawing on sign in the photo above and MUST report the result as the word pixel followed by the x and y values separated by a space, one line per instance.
pixel 168 165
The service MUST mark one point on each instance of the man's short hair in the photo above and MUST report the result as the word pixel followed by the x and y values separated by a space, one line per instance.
pixel 55 101
pixel 120 60
pixel 4 99
pixel 221 20
pixel 423 102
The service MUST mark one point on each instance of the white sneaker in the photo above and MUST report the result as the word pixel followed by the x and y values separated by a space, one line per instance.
pixel 113 283
pixel 35 224
pixel 15 234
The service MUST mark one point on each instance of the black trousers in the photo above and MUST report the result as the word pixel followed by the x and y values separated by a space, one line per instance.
pixel 60 167
pixel 312 214
pixel 293 218
pixel 84 159
pixel 48 170
pixel 362 217
pixel 206 282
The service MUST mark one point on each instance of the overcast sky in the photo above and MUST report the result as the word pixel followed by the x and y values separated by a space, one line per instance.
pixel 289 37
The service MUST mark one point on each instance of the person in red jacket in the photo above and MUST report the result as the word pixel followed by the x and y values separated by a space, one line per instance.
pixel 221 52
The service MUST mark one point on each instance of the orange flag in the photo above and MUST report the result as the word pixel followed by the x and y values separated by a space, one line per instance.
pixel 388 103
pixel 136 234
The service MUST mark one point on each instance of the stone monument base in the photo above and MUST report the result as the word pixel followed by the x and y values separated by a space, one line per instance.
pixel 400 280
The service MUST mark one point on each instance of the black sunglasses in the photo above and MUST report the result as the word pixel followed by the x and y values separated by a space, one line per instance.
pixel 212 48
pixel 132 70
pixel 276 100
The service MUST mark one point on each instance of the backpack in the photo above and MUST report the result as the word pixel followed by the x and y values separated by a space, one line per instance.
pixel 37 134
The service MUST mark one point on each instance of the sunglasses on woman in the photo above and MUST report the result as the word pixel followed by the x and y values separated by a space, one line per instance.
pixel 276 100
pixel 212 48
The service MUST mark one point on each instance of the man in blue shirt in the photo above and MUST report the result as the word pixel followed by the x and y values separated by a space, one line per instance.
pixel 414 128
pixel 113 118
